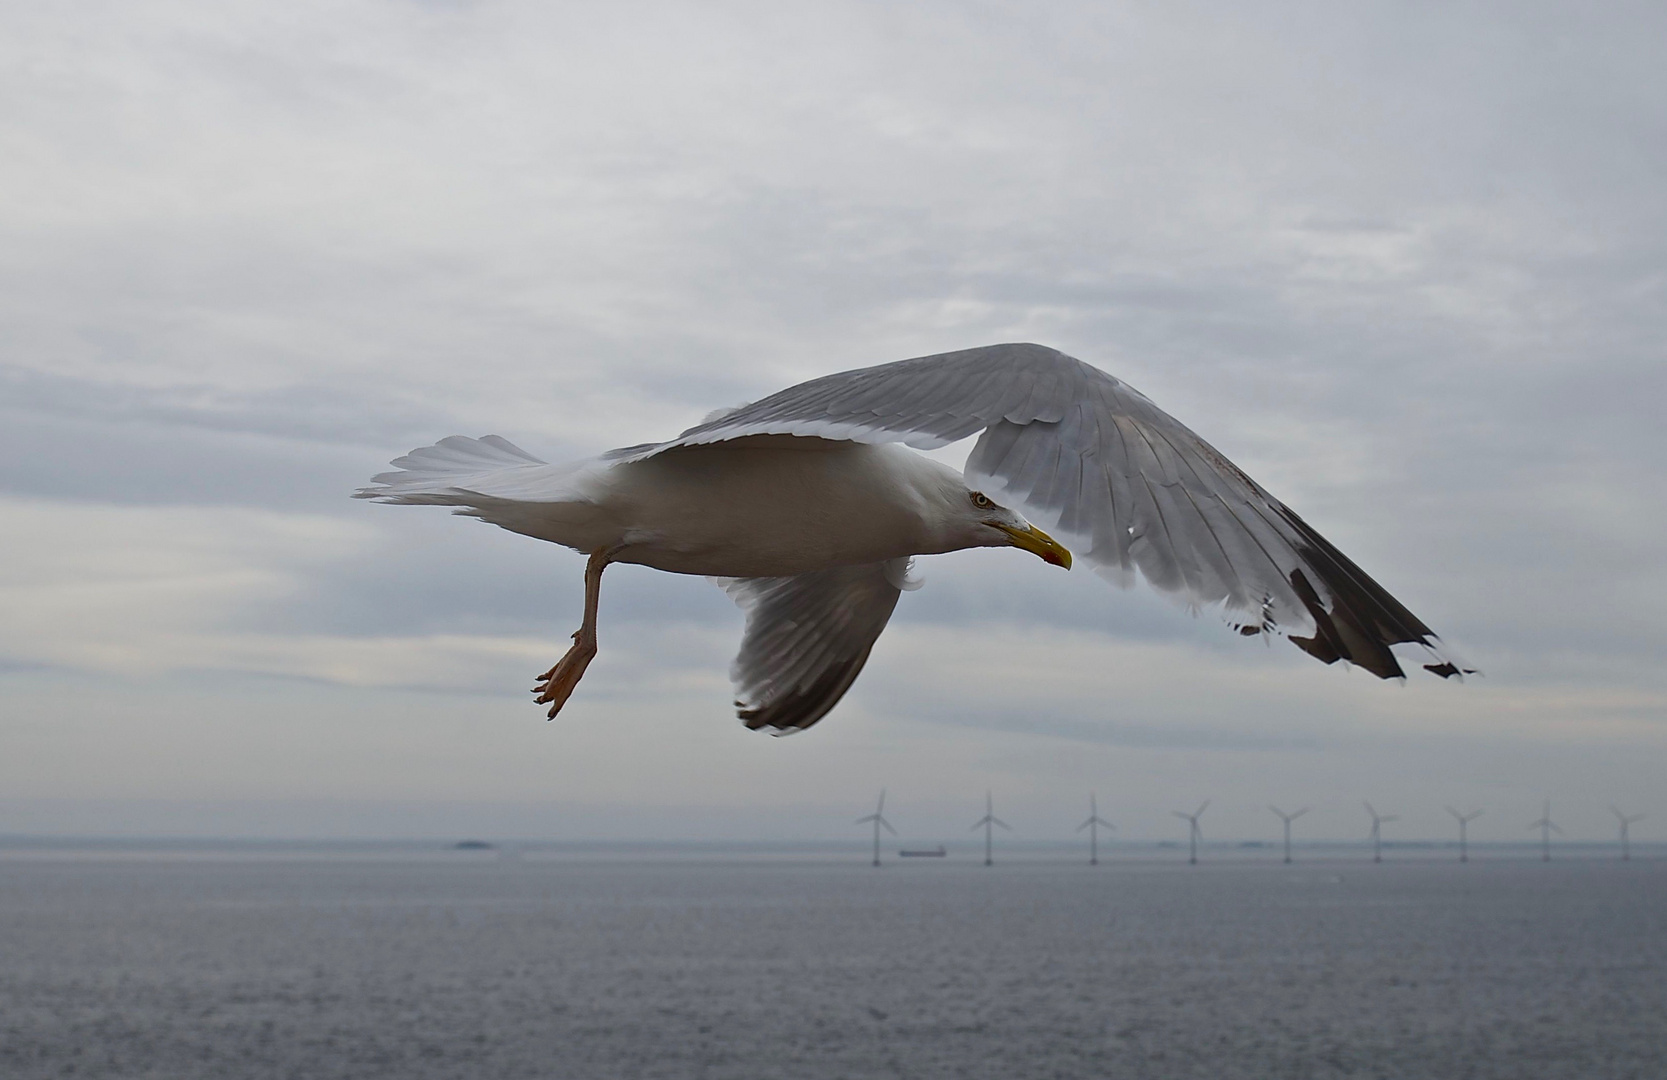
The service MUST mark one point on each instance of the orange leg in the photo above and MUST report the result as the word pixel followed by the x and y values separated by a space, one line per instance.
pixel 556 685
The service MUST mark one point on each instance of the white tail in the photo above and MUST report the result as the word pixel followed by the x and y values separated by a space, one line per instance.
pixel 493 479
pixel 426 476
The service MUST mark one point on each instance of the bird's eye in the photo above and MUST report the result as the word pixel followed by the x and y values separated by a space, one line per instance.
pixel 982 501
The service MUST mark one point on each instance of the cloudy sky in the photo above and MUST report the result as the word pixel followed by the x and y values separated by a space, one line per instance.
pixel 1406 264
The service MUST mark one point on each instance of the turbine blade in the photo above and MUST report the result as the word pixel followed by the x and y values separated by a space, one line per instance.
pixel 1203 806
pixel 1369 809
pixel 1084 825
pixel 1002 823
pixel 1299 813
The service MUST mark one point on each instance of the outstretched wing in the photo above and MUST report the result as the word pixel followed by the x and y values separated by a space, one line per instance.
pixel 807 638
pixel 1092 458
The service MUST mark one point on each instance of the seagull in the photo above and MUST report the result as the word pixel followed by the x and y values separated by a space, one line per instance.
pixel 808 505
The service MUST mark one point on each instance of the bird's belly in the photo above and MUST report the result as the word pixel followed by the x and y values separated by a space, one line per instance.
pixel 731 511
pixel 721 559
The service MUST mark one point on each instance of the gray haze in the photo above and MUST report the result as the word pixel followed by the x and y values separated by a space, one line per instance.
pixel 1404 264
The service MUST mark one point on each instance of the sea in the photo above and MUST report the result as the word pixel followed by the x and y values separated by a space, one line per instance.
pixel 182 960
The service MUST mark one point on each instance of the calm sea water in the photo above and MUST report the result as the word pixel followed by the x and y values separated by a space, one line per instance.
pixel 402 963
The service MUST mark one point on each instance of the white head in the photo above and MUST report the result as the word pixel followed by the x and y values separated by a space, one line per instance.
pixel 960 517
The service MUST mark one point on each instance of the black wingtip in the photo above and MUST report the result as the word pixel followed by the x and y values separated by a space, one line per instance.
pixel 1348 631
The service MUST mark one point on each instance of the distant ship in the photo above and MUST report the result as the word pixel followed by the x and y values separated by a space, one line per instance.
pixel 473 845
pixel 924 853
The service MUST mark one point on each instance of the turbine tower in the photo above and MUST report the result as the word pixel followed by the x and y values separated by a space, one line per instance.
pixel 1626 844
pixel 1287 819
pixel 1194 833
pixel 878 817
pixel 1093 826
pixel 1378 821
pixel 1464 841
pixel 986 822
pixel 1546 827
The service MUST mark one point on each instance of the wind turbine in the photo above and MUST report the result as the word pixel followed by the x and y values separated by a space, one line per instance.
pixel 986 822
pixel 1626 844
pixel 1093 826
pixel 1194 833
pixel 878 817
pixel 1464 820
pixel 1546 826
pixel 1378 821
pixel 1287 819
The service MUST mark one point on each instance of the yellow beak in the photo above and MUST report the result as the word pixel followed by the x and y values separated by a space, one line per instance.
pixel 1039 544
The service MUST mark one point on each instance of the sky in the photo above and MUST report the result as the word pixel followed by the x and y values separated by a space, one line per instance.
pixel 1406 264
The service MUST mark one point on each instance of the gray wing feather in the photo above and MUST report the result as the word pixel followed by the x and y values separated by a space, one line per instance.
pixel 1091 457
pixel 807 639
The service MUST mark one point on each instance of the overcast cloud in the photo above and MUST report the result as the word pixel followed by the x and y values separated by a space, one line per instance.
pixel 1407 265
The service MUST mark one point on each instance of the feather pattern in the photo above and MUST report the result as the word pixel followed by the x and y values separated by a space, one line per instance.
pixel 1091 457
pixel 807 639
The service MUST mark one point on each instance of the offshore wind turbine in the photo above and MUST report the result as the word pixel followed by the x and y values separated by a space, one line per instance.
pixel 878 817
pixel 1287 819
pixel 1093 826
pixel 1194 833
pixel 1378 821
pixel 986 822
pixel 1464 841
pixel 1546 826
pixel 1626 844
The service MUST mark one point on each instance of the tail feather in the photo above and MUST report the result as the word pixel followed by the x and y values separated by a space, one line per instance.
pixel 433 474
pixel 496 481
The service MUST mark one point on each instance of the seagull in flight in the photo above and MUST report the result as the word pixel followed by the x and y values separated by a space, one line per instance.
pixel 806 507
